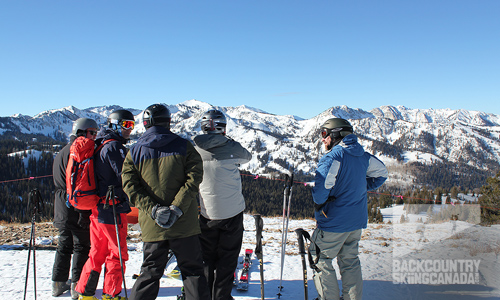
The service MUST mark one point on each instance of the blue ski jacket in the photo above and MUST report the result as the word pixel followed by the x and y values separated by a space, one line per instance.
pixel 347 172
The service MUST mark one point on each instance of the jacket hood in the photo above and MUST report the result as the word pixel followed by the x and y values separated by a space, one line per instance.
pixel 352 146
pixel 156 137
pixel 107 134
pixel 209 141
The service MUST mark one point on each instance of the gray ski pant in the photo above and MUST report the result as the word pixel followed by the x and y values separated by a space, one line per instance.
pixel 344 246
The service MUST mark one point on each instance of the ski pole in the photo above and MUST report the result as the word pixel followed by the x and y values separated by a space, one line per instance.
pixel 302 252
pixel 111 195
pixel 280 287
pixel 35 200
pixel 290 188
pixel 286 216
pixel 32 244
pixel 259 224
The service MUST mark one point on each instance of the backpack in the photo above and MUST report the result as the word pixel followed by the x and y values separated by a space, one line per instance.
pixel 81 183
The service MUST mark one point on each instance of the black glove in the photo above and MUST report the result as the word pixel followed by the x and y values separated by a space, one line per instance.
pixel 83 220
pixel 165 216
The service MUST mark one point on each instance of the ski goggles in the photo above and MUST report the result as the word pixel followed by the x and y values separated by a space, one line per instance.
pixel 127 124
pixel 324 133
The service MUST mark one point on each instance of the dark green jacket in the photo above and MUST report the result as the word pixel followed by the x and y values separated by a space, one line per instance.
pixel 163 168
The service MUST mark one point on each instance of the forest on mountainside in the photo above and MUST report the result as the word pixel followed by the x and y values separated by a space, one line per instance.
pixel 16 184
pixel 262 195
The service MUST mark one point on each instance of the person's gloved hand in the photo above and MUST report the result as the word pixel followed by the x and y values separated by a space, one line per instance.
pixel 175 213
pixel 161 215
pixel 83 220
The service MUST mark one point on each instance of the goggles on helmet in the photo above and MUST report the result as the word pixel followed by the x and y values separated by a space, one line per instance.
pixel 125 124
pixel 324 133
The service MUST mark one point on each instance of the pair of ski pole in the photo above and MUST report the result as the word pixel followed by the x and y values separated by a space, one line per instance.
pixel 287 197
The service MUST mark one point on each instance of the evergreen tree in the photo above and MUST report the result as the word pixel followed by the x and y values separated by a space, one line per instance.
pixel 490 200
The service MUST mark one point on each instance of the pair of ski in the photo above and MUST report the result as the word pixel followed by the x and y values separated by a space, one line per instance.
pixel 242 284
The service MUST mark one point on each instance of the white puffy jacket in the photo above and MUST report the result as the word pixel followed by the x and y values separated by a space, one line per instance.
pixel 220 189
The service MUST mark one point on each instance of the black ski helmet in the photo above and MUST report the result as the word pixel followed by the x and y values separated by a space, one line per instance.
pixel 336 127
pixel 156 115
pixel 213 121
pixel 116 118
pixel 82 124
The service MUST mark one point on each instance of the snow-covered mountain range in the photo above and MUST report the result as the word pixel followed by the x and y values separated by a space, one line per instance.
pixel 397 134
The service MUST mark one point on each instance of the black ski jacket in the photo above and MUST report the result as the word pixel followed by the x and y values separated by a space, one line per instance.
pixel 65 218
pixel 108 168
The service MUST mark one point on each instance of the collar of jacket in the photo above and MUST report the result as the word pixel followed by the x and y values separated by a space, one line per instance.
pixel 208 141
pixel 109 134
pixel 156 136
pixel 346 141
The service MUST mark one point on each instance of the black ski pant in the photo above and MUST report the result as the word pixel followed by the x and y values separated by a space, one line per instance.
pixel 221 244
pixel 188 254
pixel 71 242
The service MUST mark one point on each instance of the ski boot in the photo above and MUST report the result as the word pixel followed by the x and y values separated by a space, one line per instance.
pixel 74 294
pixel 109 297
pixel 182 296
pixel 82 297
pixel 59 287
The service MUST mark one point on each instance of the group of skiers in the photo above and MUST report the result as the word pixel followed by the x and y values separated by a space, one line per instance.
pixel 189 199
pixel 92 234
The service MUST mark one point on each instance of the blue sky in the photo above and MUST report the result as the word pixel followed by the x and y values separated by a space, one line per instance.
pixel 285 57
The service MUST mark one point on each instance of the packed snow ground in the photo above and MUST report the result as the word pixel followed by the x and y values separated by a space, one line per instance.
pixel 380 247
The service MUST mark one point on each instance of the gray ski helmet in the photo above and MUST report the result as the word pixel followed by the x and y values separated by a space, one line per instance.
pixel 336 127
pixel 82 124
pixel 156 115
pixel 213 121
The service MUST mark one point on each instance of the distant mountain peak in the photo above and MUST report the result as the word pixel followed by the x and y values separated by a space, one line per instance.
pixel 399 135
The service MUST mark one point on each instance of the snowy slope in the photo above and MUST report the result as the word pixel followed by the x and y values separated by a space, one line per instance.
pixel 380 247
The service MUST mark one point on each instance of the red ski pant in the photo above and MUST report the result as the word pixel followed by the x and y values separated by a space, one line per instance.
pixel 104 250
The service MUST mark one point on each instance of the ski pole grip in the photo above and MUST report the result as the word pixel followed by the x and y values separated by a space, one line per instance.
pixel 287 178
pixel 259 223
pixel 35 201
pixel 299 232
pixel 110 196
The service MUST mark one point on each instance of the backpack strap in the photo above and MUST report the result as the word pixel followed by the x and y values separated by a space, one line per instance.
pixel 104 200
pixel 102 145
